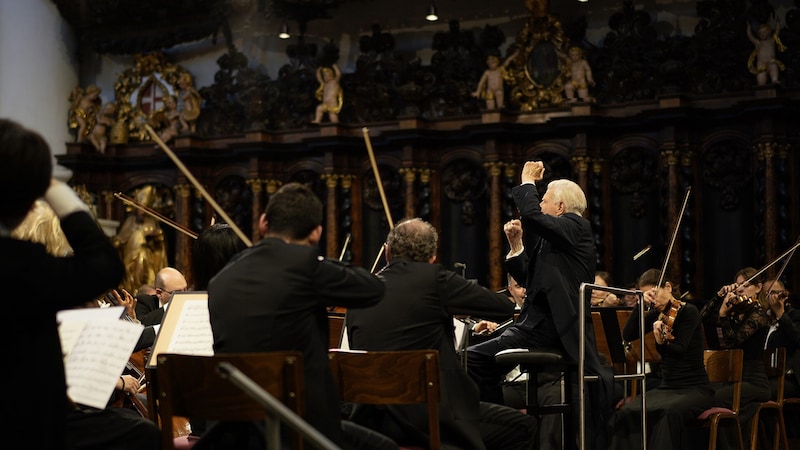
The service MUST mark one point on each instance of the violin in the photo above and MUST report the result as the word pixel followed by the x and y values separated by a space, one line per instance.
pixel 135 367
pixel 742 305
pixel 667 317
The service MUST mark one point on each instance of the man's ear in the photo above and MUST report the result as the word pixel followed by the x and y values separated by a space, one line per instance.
pixel 315 235
pixel 432 259
pixel 263 225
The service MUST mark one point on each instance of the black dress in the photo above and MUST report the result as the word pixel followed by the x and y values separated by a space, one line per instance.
pixel 684 391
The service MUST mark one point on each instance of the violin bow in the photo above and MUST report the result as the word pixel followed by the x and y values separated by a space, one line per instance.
pixel 155 214
pixel 344 247
pixel 674 236
pixel 782 269
pixel 377 174
pixel 197 185
pixel 788 253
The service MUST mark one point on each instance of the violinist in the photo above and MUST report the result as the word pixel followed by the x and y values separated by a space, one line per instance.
pixel 736 319
pixel 684 391
pixel 784 331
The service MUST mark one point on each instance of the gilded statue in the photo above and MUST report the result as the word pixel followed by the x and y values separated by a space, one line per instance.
pixel 140 241
pixel 190 99
pixel 84 107
pixel 329 93
pixel 763 61
pixel 104 120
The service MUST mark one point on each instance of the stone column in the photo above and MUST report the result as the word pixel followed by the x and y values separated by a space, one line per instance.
pixel 495 234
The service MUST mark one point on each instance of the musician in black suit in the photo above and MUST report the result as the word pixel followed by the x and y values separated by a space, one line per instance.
pixel 150 308
pixel 275 296
pixel 552 249
pixel 784 331
pixel 39 284
pixel 417 313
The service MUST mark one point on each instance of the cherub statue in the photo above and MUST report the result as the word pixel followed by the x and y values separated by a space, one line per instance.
pixel 191 103
pixel 172 117
pixel 85 104
pixel 329 93
pixel 491 87
pixel 580 75
pixel 762 59
pixel 105 119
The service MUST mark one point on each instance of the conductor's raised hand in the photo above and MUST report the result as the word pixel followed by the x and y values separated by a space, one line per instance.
pixel 532 172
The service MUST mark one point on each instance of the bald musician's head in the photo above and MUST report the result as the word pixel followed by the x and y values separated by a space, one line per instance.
pixel 414 239
pixel 168 281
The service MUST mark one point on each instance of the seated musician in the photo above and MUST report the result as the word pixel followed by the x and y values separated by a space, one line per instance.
pixel 685 390
pixel 150 308
pixel 784 331
pixel 274 296
pixel 416 313
pixel 734 318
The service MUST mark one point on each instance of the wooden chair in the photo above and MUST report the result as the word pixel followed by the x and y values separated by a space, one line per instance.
pixel 632 356
pixel 189 386
pixel 391 378
pixel 723 366
pixel 775 365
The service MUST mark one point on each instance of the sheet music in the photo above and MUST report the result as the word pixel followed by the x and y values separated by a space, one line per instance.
pixel 97 350
pixel 185 328
pixel 193 335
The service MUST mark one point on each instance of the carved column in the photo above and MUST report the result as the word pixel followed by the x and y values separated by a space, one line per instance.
pixel 346 217
pixel 256 186
pixel 495 278
pixel 332 233
pixel 409 179
pixel 597 212
pixel 581 164
pixel 424 195
pixel 107 210
pixel 688 233
pixel 183 243
pixel 766 153
pixel 674 203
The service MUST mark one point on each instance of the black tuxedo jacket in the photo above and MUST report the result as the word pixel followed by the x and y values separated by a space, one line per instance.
pixel 417 313
pixel 275 296
pixel 37 286
pixel 788 335
pixel 148 310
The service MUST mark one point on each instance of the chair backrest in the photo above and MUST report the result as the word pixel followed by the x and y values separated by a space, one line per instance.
pixel 391 378
pixel 632 349
pixel 335 329
pixel 190 386
pixel 775 366
pixel 725 366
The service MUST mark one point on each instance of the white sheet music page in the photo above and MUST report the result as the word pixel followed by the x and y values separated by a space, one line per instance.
pixel 97 347
pixel 193 335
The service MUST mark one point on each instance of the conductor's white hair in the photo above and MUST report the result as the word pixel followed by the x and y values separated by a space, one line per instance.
pixel 570 193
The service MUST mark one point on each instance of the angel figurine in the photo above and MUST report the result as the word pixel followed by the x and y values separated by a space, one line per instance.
pixel 85 104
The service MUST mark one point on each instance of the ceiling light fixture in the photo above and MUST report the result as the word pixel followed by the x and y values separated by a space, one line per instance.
pixel 432 15
pixel 284 33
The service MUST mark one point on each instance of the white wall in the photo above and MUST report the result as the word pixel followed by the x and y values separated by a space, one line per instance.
pixel 37 68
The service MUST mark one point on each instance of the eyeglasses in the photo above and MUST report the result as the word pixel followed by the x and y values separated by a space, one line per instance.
pixel 170 292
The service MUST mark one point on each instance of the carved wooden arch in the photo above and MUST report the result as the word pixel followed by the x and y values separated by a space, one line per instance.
pixel 470 153
pixel 556 157
pixel 726 162
pixel 389 170
pixel 633 169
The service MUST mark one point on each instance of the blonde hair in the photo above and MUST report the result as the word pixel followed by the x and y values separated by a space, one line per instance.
pixel 42 226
